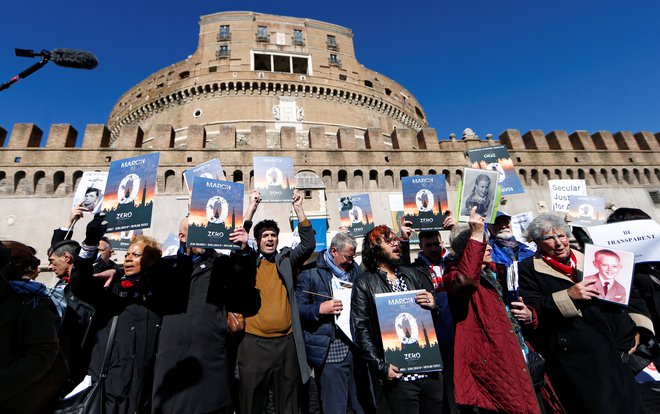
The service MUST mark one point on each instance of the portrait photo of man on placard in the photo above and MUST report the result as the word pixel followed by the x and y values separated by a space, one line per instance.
pixel 610 271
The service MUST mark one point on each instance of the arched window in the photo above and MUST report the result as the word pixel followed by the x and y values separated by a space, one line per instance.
pixel 342 180
pixel 389 179
pixel 603 173
pixel 358 180
pixel 58 183
pixel 326 177
pixel 77 175
pixel 169 181
pixel 373 179
pixel 237 176
pixel 19 182
pixel 535 177
pixel 39 186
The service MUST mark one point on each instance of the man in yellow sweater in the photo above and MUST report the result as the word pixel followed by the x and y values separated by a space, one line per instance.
pixel 271 355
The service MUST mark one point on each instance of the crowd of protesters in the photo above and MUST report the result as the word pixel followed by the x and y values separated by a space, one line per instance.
pixel 256 331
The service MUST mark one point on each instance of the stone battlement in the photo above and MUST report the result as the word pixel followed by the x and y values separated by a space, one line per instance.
pixel 32 163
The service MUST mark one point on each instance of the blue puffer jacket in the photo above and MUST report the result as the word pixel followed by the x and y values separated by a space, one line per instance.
pixel 318 330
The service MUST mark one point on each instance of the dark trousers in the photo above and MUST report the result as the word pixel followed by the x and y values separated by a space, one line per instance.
pixel 449 405
pixel 423 396
pixel 337 388
pixel 265 363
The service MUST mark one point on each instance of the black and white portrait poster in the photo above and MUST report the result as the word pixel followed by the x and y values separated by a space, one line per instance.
pixel 89 193
pixel 479 189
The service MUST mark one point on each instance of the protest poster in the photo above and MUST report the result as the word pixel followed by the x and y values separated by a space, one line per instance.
pixel 561 190
pixel 611 271
pixel 209 169
pixel 355 214
pixel 497 158
pixel 341 290
pixel 408 333
pixel 89 193
pixel 425 201
pixel 171 245
pixel 129 192
pixel 216 209
pixel 638 236
pixel 586 211
pixel 320 226
pixel 274 178
pixel 479 188
pixel 121 240
pixel 396 212
pixel 519 224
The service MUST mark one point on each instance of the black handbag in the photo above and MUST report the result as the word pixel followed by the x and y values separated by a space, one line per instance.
pixel 91 400
pixel 536 366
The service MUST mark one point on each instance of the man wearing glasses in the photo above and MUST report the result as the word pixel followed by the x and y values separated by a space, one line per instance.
pixel 329 351
pixel 384 273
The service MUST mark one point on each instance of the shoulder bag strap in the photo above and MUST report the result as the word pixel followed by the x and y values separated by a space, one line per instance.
pixel 108 349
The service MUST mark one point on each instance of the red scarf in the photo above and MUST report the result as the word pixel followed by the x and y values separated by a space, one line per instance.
pixel 567 270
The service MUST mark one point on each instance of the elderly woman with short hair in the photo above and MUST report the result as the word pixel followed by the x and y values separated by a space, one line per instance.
pixel 490 360
pixel 583 339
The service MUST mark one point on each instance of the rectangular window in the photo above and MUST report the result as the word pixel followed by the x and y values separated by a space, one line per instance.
pixel 224 34
pixel 332 42
pixel 282 64
pixel 262 62
pixel 300 65
pixel 334 60
pixel 262 34
pixel 298 37
pixel 223 52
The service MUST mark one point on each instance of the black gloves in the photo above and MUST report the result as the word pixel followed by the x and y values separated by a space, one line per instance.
pixel 95 230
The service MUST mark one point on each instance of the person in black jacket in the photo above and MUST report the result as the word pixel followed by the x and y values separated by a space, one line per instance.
pixel 329 351
pixel 32 370
pixel 381 257
pixel 194 366
pixel 147 291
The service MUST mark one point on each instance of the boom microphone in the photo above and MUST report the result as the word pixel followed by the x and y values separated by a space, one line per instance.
pixel 68 58
pixel 71 58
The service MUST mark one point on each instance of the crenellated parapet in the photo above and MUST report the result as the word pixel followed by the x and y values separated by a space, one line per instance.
pixel 580 141
pixel 344 158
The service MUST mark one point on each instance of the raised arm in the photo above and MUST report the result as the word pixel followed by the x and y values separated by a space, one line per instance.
pixel 304 250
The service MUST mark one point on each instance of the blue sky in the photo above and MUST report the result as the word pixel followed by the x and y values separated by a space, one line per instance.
pixel 487 65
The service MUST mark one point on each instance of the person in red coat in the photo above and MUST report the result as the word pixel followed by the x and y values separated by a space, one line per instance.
pixel 490 354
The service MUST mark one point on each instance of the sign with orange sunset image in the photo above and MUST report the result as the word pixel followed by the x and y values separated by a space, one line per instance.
pixel 355 214
pixel 273 177
pixel 409 338
pixel 216 209
pixel 128 198
pixel 424 201
pixel 497 158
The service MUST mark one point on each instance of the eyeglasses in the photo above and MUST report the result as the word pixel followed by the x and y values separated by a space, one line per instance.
pixel 558 237
pixel 347 257
pixel 392 242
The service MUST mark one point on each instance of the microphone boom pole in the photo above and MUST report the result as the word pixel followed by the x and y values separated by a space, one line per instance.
pixel 24 74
